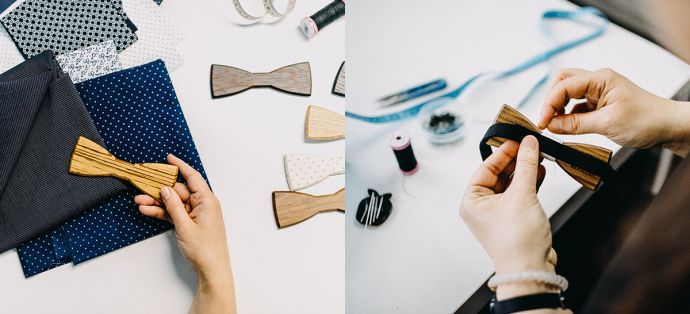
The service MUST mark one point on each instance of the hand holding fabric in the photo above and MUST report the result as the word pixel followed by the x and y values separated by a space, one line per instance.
pixel 501 209
pixel 195 211
pixel 615 107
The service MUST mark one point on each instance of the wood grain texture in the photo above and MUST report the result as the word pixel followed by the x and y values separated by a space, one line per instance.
pixel 339 82
pixel 294 207
pixel 322 124
pixel 589 180
pixel 584 177
pixel 293 79
pixel 90 159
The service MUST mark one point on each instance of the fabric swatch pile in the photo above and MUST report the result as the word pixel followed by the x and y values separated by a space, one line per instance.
pixel 92 68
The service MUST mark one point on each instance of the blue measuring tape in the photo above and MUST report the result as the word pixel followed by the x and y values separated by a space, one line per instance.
pixel 575 16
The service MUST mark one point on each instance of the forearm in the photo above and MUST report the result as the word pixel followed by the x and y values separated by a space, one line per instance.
pixel 679 129
pixel 215 293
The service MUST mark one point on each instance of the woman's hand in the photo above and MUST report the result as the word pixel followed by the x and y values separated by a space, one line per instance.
pixel 616 108
pixel 501 209
pixel 200 232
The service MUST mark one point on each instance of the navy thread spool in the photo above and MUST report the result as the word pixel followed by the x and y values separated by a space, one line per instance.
pixel 311 25
pixel 402 148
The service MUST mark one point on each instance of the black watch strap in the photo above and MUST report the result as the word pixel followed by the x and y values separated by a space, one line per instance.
pixel 527 302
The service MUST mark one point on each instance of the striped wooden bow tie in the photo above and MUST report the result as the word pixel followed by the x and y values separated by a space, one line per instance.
pixel 587 164
pixel 91 160
pixel 293 79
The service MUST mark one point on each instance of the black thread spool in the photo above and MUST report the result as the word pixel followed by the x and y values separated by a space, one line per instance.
pixel 402 148
pixel 311 25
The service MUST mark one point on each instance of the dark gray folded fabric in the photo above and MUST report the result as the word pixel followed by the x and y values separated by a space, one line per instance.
pixel 41 117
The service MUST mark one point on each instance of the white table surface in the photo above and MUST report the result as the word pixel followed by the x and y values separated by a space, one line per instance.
pixel 241 140
pixel 424 259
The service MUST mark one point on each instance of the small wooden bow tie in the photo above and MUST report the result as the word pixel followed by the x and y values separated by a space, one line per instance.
pixel 339 82
pixel 322 124
pixel 91 160
pixel 294 207
pixel 293 79
pixel 508 115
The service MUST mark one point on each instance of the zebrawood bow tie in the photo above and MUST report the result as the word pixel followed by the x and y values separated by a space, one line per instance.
pixel 587 164
pixel 293 79
pixel 92 160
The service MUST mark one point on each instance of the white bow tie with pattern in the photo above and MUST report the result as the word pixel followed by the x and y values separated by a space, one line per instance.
pixel 305 170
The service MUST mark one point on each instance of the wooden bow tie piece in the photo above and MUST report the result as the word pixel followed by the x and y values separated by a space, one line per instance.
pixel 293 79
pixel 305 170
pixel 294 207
pixel 509 115
pixel 339 82
pixel 91 160
pixel 322 124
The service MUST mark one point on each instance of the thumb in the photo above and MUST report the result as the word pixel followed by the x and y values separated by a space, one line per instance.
pixel 527 165
pixel 174 207
pixel 575 123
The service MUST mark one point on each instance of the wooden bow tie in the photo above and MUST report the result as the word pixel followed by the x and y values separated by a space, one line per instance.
pixel 294 207
pixel 293 79
pixel 322 124
pixel 91 160
pixel 508 115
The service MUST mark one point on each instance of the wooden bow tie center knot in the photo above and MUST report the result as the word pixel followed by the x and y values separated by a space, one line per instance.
pixel 293 79
pixel 509 115
pixel 91 159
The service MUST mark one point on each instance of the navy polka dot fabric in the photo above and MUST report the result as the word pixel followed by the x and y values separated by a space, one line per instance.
pixel 138 115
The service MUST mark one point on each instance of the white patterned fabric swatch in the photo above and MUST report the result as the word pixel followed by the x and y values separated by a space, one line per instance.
pixel 305 170
pixel 65 26
pixel 90 62
pixel 158 37
pixel 9 54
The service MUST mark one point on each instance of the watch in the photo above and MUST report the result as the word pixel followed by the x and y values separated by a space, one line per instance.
pixel 527 302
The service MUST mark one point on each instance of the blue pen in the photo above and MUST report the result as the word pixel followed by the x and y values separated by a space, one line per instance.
pixel 412 93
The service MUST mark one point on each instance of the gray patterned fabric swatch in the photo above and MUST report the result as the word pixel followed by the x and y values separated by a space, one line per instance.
pixel 9 55
pixel 90 62
pixel 41 117
pixel 67 25
pixel 158 36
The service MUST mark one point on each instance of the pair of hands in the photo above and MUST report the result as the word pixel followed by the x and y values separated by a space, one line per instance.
pixel 501 207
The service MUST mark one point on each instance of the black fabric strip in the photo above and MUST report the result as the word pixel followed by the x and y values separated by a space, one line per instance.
pixel 552 148
pixel 528 302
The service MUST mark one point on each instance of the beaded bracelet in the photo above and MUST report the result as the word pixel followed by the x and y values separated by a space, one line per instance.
pixel 530 275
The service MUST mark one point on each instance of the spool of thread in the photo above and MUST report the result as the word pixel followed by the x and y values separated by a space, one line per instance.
pixel 402 148
pixel 311 25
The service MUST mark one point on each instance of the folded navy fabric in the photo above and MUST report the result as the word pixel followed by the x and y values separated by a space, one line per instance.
pixel 138 115
pixel 41 117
